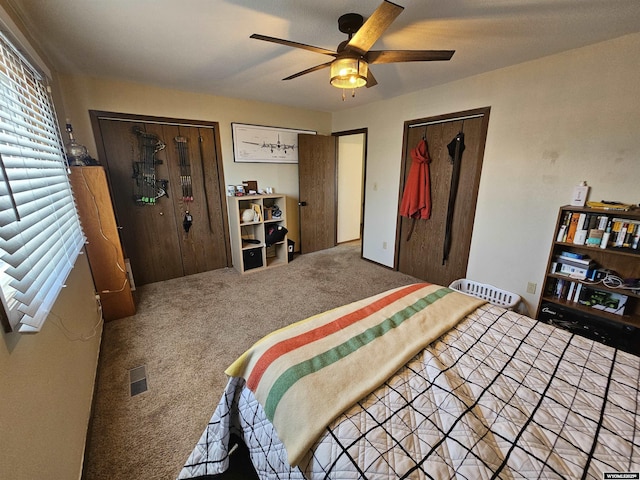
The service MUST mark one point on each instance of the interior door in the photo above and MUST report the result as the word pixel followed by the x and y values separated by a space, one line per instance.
pixel 317 171
pixel 420 243
pixel 184 231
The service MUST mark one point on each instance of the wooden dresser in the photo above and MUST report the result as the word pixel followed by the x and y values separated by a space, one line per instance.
pixel 104 250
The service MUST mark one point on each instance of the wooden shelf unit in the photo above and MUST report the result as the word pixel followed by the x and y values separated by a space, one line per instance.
pixel 104 250
pixel 249 251
pixel 623 262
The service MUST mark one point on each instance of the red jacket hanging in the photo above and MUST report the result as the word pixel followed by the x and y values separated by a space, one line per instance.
pixel 416 199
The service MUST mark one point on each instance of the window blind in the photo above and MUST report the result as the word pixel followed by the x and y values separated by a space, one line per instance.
pixel 40 233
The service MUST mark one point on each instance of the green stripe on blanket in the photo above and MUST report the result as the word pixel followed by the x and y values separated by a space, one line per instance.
pixel 315 364
pixel 308 373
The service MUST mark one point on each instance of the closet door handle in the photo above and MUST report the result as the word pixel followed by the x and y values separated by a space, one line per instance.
pixel 302 204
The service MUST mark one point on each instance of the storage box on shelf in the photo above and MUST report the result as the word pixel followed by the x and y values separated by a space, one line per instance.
pixel 593 270
pixel 250 218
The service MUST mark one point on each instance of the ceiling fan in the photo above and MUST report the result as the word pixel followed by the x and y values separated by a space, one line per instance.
pixel 350 67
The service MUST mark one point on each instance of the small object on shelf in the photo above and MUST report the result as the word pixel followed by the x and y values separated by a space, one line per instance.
pixel 274 234
pixel 77 155
pixel 580 193
pixel 250 186
pixel 606 301
pixel 608 205
pixel 248 215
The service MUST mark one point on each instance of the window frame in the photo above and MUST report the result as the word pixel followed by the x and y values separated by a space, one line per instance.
pixel 40 244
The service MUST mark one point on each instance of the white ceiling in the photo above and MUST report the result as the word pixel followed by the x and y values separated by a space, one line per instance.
pixel 204 45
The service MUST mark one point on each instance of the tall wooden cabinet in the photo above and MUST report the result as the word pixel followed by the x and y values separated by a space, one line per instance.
pixel 592 281
pixel 251 217
pixel 104 251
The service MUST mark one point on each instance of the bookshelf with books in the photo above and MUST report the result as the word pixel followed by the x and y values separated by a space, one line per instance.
pixel 593 270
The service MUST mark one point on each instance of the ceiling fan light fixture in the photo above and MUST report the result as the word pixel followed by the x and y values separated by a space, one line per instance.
pixel 349 72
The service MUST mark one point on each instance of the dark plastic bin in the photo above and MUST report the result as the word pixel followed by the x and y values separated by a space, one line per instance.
pixel 290 245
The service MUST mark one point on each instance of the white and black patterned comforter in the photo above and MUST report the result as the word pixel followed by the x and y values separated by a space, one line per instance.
pixel 499 396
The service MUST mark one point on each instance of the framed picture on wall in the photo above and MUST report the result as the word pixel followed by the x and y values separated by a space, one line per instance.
pixel 258 144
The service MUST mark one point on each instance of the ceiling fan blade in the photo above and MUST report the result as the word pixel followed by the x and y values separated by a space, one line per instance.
pixel 395 56
pixel 371 80
pixel 374 27
pixel 289 43
pixel 309 70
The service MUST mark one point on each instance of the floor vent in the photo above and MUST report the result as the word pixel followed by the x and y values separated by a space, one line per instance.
pixel 138 380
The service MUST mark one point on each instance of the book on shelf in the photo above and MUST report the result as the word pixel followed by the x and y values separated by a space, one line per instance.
pixel 598 230
pixel 577 292
pixel 565 290
pixel 573 226
pixel 576 272
pixel 584 262
pixel 580 235
pixel 625 233
pixel 594 239
pixel 564 227
pixel 574 265
pixel 575 255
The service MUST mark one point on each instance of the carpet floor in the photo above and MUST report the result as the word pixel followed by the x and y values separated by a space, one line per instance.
pixel 185 333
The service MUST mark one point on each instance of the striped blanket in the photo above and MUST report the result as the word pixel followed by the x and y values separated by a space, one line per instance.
pixel 308 373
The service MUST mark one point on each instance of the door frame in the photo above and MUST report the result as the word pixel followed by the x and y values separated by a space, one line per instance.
pixel 364 131
pixel 97 115
pixel 483 112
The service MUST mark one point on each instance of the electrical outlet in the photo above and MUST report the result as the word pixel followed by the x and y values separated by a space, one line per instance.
pixel 531 287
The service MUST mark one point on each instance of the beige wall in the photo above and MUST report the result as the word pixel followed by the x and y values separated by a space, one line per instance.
pixel 554 122
pixel 46 386
pixel 81 94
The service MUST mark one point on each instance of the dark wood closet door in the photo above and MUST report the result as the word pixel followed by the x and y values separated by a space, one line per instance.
pixel 153 236
pixel 422 254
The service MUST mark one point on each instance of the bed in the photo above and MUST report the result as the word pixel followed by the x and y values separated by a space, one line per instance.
pixel 493 394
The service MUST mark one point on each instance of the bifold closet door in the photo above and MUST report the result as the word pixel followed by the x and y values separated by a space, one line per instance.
pixel 420 252
pixel 182 231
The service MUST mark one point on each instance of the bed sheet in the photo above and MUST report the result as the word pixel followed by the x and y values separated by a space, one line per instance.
pixel 498 396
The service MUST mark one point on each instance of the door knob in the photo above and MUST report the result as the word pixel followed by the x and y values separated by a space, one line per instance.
pixel 302 204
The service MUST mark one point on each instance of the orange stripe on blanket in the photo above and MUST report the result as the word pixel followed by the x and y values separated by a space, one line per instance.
pixel 286 346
